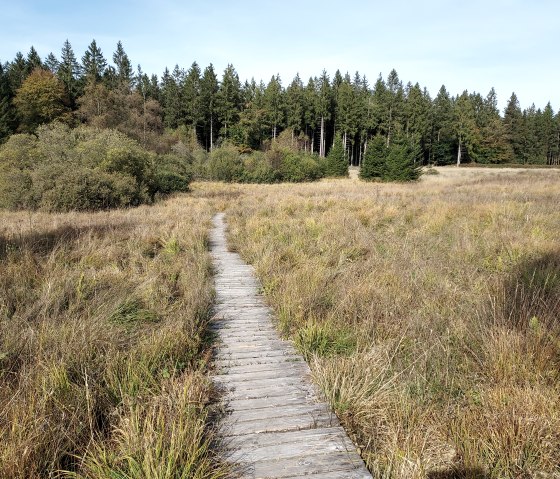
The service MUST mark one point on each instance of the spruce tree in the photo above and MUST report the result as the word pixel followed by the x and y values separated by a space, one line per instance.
pixel 402 160
pixel 93 63
pixel 7 112
pixel 374 161
pixel 33 61
pixel 208 96
pixel 69 71
pixel 51 63
pixel 228 99
pixel 274 106
pixel 124 73
pixel 336 164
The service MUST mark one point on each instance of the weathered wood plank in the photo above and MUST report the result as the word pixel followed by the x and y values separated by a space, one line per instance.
pixel 274 426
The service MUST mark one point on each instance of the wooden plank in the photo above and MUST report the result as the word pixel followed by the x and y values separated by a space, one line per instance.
pixel 274 426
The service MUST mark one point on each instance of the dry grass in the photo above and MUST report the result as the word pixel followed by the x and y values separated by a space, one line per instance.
pixel 430 312
pixel 102 321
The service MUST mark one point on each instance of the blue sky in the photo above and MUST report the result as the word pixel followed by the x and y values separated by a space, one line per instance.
pixel 511 45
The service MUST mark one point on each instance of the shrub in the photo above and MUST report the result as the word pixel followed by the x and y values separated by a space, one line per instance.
pixel 298 168
pixel 226 164
pixel 84 169
pixel 257 169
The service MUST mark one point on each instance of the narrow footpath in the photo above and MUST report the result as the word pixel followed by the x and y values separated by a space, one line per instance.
pixel 275 426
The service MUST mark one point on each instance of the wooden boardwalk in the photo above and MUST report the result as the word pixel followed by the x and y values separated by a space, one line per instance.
pixel 275 426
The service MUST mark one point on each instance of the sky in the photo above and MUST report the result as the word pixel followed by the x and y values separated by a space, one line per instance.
pixel 511 45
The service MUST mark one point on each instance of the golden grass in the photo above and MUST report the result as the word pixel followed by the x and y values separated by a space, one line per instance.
pixel 430 312
pixel 102 323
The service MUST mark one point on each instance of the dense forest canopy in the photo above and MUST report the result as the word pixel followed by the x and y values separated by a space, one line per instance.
pixel 464 128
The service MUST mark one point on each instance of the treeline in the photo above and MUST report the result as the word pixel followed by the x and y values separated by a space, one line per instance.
pixel 445 129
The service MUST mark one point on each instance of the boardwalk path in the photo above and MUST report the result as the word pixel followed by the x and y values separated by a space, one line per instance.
pixel 275 427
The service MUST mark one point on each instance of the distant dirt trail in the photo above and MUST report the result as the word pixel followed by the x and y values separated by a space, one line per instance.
pixel 354 171
pixel 276 426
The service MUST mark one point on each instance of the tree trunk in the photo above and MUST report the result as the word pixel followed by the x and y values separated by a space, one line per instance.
pixel 459 153
pixel 322 144
pixel 211 133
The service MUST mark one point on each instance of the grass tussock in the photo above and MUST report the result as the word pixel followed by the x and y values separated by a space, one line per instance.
pixel 429 312
pixel 102 339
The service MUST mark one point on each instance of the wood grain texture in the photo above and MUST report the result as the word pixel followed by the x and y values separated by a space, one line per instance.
pixel 275 424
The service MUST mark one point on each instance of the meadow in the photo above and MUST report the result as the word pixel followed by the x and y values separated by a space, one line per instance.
pixel 429 313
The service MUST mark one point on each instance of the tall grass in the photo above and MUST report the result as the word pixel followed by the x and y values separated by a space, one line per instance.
pixel 429 313
pixel 102 325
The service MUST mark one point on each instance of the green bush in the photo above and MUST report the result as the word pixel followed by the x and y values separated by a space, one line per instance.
pixel 62 169
pixel 257 169
pixel 298 168
pixel 225 164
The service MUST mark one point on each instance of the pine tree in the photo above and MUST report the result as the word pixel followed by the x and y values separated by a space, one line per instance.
pixel 7 112
pixel 466 131
pixel 274 105
pixel 208 97
pixel 191 97
pixel 374 162
pixel 17 71
pixel 443 137
pixel 324 108
pixel 51 63
pixel 228 99
pixel 346 123
pixel 294 106
pixel 69 71
pixel 171 97
pixel 93 63
pixel 33 61
pixel 336 164
pixel 514 128
pixel 401 162
pixel 123 66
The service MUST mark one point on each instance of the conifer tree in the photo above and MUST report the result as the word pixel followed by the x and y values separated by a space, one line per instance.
pixel 124 73
pixel 402 160
pixel 274 105
pixel 228 99
pixel 51 63
pixel 294 106
pixel 191 97
pixel 514 127
pixel 374 161
pixel 7 112
pixel 33 61
pixel 336 164
pixel 69 71
pixel 17 71
pixel 208 96
pixel 93 63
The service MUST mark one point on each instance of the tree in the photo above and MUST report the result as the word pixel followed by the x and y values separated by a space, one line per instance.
pixel 208 99
pixel 336 163
pixel 401 163
pixel 273 105
pixel 346 113
pixel 17 71
pixel 51 63
pixel 33 61
pixel 373 164
pixel 324 108
pixel 40 99
pixel 124 73
pixel 93 63
pixel 514 127
pixel 191 97
pixel 69 71
pixel 294 106
pixel 443 136
pixel 228 99
pixel 171 97
pixel 7 113
pixel 465 128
